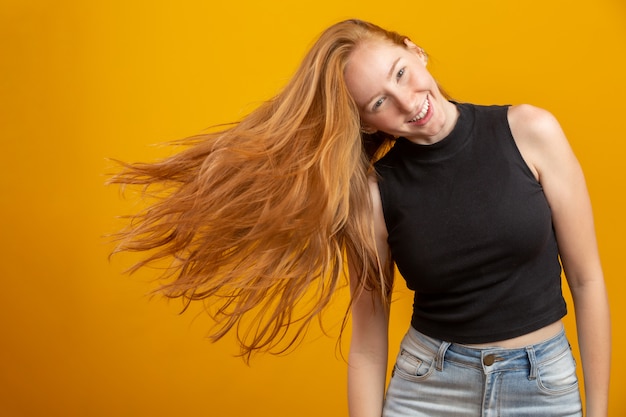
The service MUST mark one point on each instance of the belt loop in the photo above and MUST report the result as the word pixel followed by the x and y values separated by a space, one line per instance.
pixel 441 353
pixel 533 362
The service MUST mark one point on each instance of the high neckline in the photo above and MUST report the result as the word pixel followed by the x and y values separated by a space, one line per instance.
pixel 446 147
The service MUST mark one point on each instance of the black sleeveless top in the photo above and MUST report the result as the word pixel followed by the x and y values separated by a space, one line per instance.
pixel 471 232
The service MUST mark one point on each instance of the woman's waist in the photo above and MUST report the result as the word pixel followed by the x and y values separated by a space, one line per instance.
pixel 531 338
pixel 545 341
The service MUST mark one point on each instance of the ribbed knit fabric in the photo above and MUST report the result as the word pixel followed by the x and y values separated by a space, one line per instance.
pixel 471 232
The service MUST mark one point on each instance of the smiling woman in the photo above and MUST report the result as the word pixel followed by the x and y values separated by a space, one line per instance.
pixel 474 204
pixel 86 81
pixel 384 83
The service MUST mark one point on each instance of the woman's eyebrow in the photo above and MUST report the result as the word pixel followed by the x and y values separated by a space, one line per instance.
pixel 393 67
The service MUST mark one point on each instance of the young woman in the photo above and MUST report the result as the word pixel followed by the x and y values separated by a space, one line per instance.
pixel 475 205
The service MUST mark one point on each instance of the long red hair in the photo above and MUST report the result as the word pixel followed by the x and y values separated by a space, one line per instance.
pixel 259 216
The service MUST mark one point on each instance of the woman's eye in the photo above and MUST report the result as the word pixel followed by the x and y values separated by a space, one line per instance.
pixel 400 73
pixel 378 103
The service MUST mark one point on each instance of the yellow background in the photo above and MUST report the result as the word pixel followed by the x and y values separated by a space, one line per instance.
pixel 81 81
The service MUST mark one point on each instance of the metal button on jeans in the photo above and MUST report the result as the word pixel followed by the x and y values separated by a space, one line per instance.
pixel 488 360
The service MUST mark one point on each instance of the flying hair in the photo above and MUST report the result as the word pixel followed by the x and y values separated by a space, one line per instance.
pixel 260 215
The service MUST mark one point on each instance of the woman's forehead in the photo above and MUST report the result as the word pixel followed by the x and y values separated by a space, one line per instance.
pixel 369 67
pixel 373 57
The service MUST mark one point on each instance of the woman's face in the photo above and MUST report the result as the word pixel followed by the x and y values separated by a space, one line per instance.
pixel 396 94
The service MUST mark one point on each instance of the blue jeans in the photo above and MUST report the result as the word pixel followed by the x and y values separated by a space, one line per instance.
pixel 433 378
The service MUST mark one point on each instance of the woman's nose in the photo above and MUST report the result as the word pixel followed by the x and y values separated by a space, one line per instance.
pixel 407 101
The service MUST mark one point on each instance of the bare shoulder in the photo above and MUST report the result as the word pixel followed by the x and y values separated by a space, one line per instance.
pixel 531 122
pixel 538 136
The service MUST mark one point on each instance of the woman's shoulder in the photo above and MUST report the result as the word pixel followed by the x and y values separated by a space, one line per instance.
pixel 532 121
pixel 538 136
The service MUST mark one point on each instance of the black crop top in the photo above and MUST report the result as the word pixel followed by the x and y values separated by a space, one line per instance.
pixel 471 232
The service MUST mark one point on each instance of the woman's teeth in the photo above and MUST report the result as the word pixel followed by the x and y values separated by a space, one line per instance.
pixel 423 112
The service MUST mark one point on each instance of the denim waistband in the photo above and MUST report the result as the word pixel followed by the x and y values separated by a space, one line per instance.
pixel 492 359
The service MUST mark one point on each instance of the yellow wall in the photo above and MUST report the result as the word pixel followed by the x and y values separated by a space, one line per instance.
pixel 84 80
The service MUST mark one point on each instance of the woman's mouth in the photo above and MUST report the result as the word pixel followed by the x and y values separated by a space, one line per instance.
pixel 423 112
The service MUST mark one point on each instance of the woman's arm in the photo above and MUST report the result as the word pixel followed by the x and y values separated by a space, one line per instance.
pixel 367 361
pixel 547 152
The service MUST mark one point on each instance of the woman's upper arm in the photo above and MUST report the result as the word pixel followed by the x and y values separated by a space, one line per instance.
pixel 368 308
pixel 547 152
pixel 380 228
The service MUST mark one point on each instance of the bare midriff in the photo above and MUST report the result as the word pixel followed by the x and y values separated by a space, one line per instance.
pixel 528 339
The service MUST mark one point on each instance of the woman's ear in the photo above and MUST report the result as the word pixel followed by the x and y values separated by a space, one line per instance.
pixel 409 44
pixel 420 52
